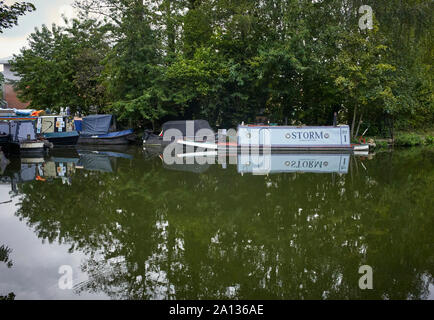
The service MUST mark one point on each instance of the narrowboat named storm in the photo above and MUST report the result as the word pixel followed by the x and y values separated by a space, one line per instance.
pixel 334 138
pixel 282 138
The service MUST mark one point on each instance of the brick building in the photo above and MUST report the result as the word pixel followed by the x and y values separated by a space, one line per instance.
pixel 9 98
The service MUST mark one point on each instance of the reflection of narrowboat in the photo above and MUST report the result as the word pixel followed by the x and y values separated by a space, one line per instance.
pixel 259 164
pixel 100 159
pixel 100 130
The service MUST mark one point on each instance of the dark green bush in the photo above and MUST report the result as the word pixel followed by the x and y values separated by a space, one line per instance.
pixel 381 144
pixel 429 140
pixel 409 140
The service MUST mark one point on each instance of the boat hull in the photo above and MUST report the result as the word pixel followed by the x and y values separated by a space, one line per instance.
pixel 63 139
pixel 116 140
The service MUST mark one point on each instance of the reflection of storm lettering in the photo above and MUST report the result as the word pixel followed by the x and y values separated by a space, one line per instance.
pixel 309 164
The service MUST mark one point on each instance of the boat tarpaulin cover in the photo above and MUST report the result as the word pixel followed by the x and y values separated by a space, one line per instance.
pixel 96 124
pixel 23 112
pixel 13 128
pixel 78 124
pixel 182 126
pixel 116 134
pixel 26 131
pixel 4 128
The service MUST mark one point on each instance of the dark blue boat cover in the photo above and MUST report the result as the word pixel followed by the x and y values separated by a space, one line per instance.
pixel 78 124
pixel 96 124
pixel 116 134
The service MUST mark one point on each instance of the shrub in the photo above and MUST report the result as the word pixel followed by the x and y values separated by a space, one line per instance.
pixel 429 140
pixel 381 144
pixel 409 140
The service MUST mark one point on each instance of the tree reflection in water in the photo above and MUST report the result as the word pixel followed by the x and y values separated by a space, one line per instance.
pixel 151 233
pixel 5 252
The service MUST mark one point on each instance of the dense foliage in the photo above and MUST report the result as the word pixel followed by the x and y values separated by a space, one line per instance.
pixel 9 14
pixel 228 61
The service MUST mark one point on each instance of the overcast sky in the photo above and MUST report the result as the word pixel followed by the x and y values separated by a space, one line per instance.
pixel 47 12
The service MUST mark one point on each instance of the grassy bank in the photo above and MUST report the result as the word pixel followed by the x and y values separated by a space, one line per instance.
pixel 406 139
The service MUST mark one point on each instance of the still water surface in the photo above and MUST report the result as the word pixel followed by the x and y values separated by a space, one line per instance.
pixel 131 227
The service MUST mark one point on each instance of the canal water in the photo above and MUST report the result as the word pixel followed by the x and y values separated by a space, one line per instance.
pixel 122 224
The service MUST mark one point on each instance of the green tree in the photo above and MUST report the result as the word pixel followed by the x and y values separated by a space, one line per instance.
pixel 228 61
pixel 62 67
pixel 9 14
pixel 132 67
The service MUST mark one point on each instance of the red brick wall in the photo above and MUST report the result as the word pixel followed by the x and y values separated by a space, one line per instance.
pixel 11 98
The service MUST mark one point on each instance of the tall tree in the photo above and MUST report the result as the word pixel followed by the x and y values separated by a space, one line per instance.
pixel 62 67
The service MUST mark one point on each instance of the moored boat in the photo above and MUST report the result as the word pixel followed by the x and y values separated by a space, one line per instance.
pixel 112 138
pixel 96 130
pixel 58 130
pixel 185 129
pixel 22 136
pixel 285 138
pixel 62 138
pixel 295 138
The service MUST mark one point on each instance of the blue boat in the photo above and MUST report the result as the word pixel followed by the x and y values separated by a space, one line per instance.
pixel 97 130
pixel 18 135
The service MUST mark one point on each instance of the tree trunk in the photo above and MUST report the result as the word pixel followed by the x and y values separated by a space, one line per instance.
pixel 391 128
pixel 354 122
pixel 358 126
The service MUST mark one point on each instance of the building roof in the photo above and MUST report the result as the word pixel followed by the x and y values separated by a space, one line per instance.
pixel 5 60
